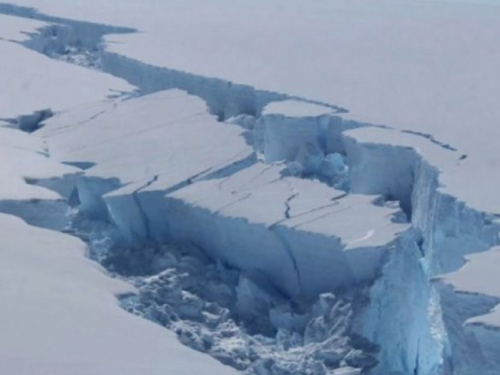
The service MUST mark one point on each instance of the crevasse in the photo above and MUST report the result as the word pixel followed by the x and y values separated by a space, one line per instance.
pixel 415 322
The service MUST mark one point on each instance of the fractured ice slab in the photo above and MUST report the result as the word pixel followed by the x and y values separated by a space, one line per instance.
pixel 476 278
pixel 23 162
pixel 303 236
pixel 307 136
pixel 152 145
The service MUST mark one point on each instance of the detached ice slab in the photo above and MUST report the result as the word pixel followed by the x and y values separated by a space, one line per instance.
pixel 169 134
pixel 303 236
pixel 152 144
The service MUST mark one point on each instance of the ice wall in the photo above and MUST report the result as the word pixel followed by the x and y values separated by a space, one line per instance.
pixel 382 169
pixel 299 263
pixel 473 349
pixel 450 228
pixel 445 230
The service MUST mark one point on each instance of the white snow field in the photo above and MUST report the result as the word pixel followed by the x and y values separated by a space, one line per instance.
pixel 31 82
pixel 289 187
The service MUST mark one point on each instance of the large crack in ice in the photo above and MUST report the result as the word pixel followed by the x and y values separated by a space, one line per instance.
pixel 81 43
pixel 223 312
pixel 166 291
pixel 142 211
pixel 279 337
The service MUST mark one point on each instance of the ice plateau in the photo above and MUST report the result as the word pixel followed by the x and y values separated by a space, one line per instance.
pixel 265 188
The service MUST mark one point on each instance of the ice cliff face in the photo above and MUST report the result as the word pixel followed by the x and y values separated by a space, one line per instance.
pixel 285 240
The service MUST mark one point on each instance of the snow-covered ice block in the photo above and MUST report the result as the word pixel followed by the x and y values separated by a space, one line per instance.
pixel 422 175
pixel 24 170
pixel 24 158
pixel 303 236
pixel 477 277
pixel 149 146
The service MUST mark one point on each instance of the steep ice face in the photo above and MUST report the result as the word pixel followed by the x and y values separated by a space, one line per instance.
pixel 446 231
pixel 399 318
pixel 300 218
pixel 52 293
pixel 305 135
pixel 209 206
pixel 221 211
pixel 382 169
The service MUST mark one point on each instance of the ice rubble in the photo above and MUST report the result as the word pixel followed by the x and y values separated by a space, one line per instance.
pixel 192 147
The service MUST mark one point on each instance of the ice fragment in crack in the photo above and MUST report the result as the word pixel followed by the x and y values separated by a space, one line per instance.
pixel 222 312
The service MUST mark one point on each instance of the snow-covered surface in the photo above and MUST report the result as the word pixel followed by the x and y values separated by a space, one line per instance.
pixel 395 63
pixel 161 167
pixel 169 135
pixel 294 108
pixel 22 157
pixel 31 82
pixel 60 314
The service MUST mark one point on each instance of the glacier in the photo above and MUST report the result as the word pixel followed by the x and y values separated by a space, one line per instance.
pixel 276 233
